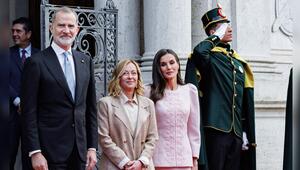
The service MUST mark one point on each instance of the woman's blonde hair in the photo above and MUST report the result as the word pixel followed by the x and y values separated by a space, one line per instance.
pixel 114 87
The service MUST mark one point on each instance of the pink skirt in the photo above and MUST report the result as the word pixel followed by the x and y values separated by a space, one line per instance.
pixel 173 168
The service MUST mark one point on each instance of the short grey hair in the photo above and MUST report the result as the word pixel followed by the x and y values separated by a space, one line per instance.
pixel 65 9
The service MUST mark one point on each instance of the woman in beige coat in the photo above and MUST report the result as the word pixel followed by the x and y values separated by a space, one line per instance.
pixel 126 122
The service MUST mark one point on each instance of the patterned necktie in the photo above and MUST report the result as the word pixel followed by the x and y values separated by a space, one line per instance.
pixel 23 57
pixel 69 74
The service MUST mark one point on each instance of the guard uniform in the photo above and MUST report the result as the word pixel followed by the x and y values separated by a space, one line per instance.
pixel 225 83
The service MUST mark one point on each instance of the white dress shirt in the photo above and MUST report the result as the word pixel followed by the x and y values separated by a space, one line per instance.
pixel 27 49
pixel 60 56
pixel 131 109
pixel 17 100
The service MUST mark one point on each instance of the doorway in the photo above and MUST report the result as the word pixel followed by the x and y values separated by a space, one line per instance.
pixel 34 15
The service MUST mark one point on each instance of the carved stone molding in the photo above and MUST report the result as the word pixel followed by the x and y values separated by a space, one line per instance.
pixel 283 18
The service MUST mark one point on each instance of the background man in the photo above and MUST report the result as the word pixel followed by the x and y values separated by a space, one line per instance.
pixel 59 108
pixel 21 35
pixel 226 96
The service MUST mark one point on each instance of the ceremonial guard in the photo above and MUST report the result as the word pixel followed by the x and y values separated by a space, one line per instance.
pixel 225 83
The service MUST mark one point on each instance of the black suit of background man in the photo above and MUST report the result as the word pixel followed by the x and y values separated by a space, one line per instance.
pixel 21 34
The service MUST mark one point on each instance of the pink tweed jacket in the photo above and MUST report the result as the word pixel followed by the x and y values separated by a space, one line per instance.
pixel 178 123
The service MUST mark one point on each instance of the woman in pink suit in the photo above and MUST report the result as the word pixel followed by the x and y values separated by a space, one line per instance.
pixel 177 113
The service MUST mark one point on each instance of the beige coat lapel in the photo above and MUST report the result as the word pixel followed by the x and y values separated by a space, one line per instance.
pixel 121 114
pixel 142 114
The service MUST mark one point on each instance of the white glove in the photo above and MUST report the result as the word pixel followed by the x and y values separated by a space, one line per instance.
pixel 220 32
pixel 245 142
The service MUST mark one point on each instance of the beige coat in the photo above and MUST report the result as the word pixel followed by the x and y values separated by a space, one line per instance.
pixel 116 137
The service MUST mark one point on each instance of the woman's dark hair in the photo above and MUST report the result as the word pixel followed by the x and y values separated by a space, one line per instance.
pixel 158 81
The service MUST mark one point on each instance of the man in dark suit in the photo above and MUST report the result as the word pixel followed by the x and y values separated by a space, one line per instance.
pixel 21 35
pixel 59 109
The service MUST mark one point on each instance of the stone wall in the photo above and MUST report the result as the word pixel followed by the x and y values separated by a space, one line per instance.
pixel 262 35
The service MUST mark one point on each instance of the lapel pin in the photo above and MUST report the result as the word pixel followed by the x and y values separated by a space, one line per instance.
pixel 82 61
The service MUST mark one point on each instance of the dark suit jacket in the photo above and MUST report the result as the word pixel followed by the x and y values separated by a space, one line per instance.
pixel 288 139
pixel 15 73
pixel 52 120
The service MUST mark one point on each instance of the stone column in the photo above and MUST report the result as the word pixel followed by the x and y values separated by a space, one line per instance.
pixel 199 7
pixel 167 24
pixel 128 27
pixel 260 41
pixel 262 35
